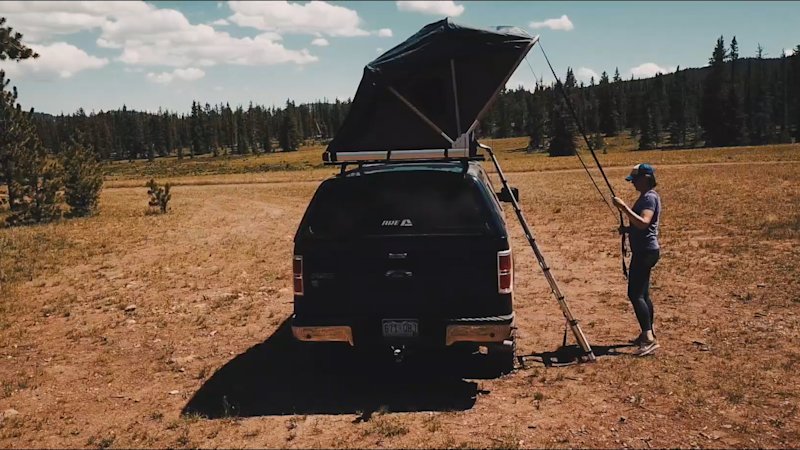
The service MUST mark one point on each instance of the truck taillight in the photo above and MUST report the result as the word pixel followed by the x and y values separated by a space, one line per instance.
pixel 505 272
pixel 297 274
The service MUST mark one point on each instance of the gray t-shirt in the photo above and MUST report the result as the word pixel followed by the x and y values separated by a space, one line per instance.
pixel 646 239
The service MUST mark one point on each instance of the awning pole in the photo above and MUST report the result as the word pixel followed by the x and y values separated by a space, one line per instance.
pixel 419 113
pixel 455 96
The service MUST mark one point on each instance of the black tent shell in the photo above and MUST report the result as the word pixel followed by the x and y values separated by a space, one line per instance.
pixel 424 97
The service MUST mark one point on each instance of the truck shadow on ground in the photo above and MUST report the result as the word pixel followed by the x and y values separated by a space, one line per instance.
pixel 282 376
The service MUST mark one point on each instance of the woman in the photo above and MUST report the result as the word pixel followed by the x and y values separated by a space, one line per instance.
pixel 643 232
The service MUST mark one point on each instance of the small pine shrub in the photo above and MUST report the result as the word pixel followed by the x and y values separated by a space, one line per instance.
pixel 159 197
pixel 83 179
pixel 38 191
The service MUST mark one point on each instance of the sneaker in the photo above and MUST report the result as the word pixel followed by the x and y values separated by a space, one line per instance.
pixel 640 340
pixel 647 348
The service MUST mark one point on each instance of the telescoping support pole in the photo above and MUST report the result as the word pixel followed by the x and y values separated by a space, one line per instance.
pixel 562 302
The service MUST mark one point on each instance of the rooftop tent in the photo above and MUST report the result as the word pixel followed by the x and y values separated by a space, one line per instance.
pixel 424 97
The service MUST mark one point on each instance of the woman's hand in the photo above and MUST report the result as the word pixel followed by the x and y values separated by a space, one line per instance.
pixel 619 203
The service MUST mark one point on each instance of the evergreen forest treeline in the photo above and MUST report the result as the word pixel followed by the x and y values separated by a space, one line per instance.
pixel 733 101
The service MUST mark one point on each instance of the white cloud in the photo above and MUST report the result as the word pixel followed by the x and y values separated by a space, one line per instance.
pixel 40 21
pixel 585 74
pixel 188 74
pixel 150 36
pixel 385 32
pixel 788 52
pixel 57 60
pixel 649 69
pixel 379 50
pixel 562 23
pixel 320 42
pixel 220 22
pixel 206 47
pixel 315 18
pixel 435 8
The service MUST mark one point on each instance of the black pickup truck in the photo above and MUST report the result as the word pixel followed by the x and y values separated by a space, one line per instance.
pixel 406 255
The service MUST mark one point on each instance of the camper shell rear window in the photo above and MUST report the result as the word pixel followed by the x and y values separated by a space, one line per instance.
pixel 392 203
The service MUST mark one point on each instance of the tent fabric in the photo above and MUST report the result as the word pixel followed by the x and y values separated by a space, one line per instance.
pixel 421 70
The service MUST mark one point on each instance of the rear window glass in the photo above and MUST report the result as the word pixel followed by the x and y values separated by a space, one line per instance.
pixel 398 204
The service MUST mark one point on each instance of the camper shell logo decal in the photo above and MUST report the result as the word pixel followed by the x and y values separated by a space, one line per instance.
pixel 397 223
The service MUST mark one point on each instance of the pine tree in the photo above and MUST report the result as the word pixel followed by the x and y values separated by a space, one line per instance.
pixel 196 128
pixel 11 46
pixel 38 181
pixel 678 110
pixel 168 133
pixel 536 118
pixel 713 104
pixel 32 177
pixel 138 140
pixel 609 118
pixel 620 107
pixel 155 145
pixel 562 134
pixel 734 121
pixel 502 119
pixel 83 178
pixel 761 128
pixel 289 134
pixel 562 142
pixel 210 137
pixel 159 197
pixel 633 121
pixel 784 135
pixel 648 138
pixel 242 145
pixel 252 131
pixel 266 137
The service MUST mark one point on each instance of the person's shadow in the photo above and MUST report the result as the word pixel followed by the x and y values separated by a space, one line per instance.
pixel 282 376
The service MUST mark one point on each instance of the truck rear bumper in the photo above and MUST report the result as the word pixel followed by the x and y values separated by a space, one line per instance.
pixel 333 333
pixel 477 333
pixel 474 329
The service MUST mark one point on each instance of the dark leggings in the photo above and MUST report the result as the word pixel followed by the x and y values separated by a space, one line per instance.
pixel 639 286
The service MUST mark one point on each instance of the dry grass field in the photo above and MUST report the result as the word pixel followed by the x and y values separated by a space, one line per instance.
pixel 134 330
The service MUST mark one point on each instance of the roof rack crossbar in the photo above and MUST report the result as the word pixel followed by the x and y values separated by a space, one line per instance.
pixel 404 161
pixel 362 164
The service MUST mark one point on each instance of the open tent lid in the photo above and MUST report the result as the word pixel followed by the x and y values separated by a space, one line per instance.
pixel 423 98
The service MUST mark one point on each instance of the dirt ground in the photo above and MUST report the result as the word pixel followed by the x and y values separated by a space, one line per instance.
pixel 134 330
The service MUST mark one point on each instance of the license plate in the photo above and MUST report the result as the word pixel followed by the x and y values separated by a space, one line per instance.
pixel 400 328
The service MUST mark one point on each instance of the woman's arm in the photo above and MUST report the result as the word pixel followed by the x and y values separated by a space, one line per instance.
pixel 640 222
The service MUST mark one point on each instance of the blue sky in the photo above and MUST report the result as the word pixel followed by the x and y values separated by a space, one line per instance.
pixel 101 55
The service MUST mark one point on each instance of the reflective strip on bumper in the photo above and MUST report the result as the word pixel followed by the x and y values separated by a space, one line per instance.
pixel 324 334
pixel 477 333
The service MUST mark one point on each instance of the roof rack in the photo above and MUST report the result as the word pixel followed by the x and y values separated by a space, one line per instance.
pixel 464 153
pixel 400 155
pixel 361 164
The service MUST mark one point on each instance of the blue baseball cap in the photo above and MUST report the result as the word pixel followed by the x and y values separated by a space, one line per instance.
pixel 642 169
